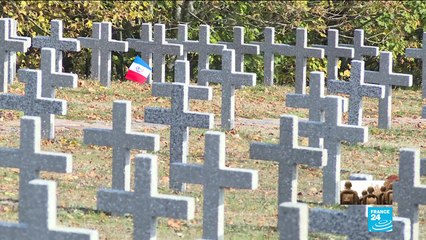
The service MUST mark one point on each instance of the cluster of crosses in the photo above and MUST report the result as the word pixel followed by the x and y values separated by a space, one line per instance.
pixel 323 128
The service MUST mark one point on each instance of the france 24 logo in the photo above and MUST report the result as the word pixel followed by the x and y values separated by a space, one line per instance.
pixel 380 219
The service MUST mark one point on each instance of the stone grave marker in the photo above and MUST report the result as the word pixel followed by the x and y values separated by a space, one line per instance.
pixel 38 220
pixel 409 193
pixel 423 167
pixel 12 55
pixel 215 177
pixel 269 49
pixel 121 139
pixel 333 133
pixel 387 78
pixel 360 50
pixel 240 48
pixel 32 103
pixel 333 52
pixel 293 221
pixel 58 42
pixel 102 45
pixel 353 223
pixel 158 48
pixel 421 54
pixel 356 89
pixel 8 45
pixel 302 52
pixel 180 119
pixel 145 203
pixel 229 79
pixel 315 102
pixel 30 160
pixel 51 79
pixel 288 155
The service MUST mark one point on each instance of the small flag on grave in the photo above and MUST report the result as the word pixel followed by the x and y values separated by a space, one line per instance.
pixel 138 71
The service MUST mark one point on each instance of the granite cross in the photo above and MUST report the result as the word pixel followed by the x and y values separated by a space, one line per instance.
pixel 30 160
pixel 288 155
pixel 52 79
pixel 293 221
pixel 215 177
pixel 269 49
pixel 145 204
pixel 240 48
pixel 301 51
pixel 356 89
pixel 102 45
pixel 387 78
pixel 333 52
pixel 409 193
pixel 58 42
pixel 180 119
pixel 333 133
pixel 158 48
pixel 229 79
pixel 360 50
pixel 315 102
pixel 38 220
pixel 8 44
pixel 32 103
pixel 353 224
pixel 122 140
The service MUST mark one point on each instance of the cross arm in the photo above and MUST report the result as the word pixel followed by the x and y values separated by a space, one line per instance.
pixel 314 157
pixel 187 173
pixel 243 79
pixel 194 92
pixel 338 86
pixel 99 137
pixel 87 42
pixel 138 44
pixel 238 178
pixel 264 151
pixel 15 45
pixel 423 167
pixel 54 162
pixel 69 44
pixel 73 234
pixel 173 49
pixel 65 80
pixel 416 53
pixel 326 220
pixel 400 79
pixel 199 120
pixel 372 90
pixel 296 100
pixel 352 134
pixel 115 201
pixel 208 75
pixel 158 115
pixel 174 207
pixel 311 129
pixel 49 105
pixel 313 52
pixel 372 77
pixel 9 158
pixel 12 231
pixel 149 142
pixel 118 46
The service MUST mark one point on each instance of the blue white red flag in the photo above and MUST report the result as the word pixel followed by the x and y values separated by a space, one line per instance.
pixel 138 71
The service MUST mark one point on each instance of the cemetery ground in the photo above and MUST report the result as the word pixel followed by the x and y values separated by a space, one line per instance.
pixel 248 214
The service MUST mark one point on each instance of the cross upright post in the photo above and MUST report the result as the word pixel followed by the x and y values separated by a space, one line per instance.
pixel 333 132
pixel 180 119
pixel 333 52
pixel 356 89
pixel 288 155
pixel 302 52
pixel 7 45
pixel 387 78
pixel 240 48
pixel 293 221
pixel 215 177
pixel 409 193
pixel 145 203
pixel 58 42
pixel 158 48
pixel 269 49
pixel 229 79
pixel 360 50
pixel 102 46
pixel 122 140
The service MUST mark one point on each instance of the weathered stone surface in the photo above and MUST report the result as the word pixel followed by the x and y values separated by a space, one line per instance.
pixel 37 221
pixel 102 45
pixel 356 89
pixel 122 140
pixel 409 193
pixel 353 224
pixel 240 48
pixel 215 177
pixel 293 221
pixel 302 52
pixel 288 155
pixel 360 50
pixel 387 78
pixel 179 118
pixel 229 80
pixel 158 48
pixel 145 203
pixel 58 42
pixel 333 52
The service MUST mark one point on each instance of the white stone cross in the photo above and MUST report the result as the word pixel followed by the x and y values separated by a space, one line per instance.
pixel 122 140
pixel 360 50
pixel 215 177
pixel 387 78
pixel 356 89
pixel 145 203
pixel 293 221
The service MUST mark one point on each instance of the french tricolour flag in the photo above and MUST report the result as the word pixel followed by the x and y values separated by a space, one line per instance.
pixel 138 71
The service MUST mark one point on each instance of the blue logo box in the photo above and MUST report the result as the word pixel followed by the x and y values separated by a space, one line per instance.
pixel 380 219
